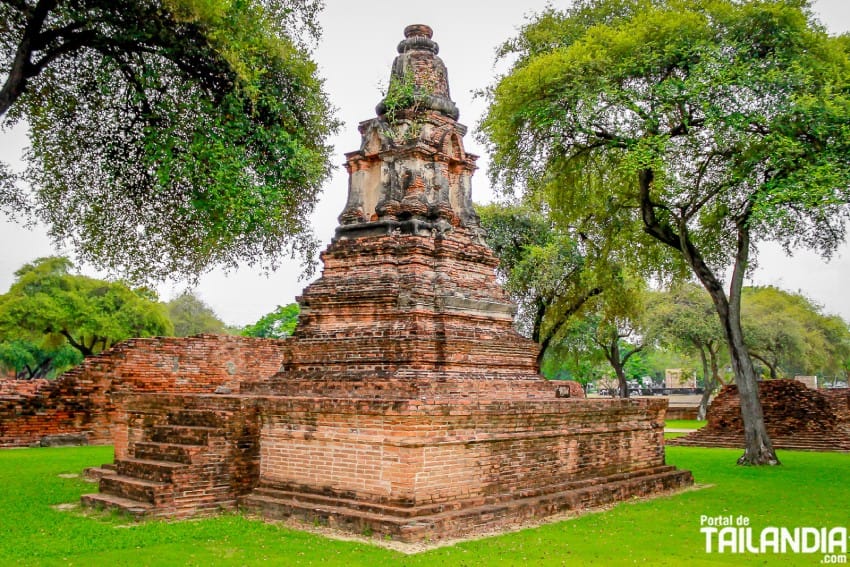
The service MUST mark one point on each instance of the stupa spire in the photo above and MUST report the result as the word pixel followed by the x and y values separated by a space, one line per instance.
pixel 418 77
pixel 411 173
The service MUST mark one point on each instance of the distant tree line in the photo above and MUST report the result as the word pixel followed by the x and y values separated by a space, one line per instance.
pixel 597 321
pixel 51 318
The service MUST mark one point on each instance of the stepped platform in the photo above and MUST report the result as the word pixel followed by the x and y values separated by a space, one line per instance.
pixel 419 522
pixel 173 462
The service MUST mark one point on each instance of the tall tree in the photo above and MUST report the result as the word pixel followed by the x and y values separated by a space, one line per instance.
pixel 707 125
pixel 49 305
pixel 167 136
pixel 191 316
pixel 612 338
pixel 683 317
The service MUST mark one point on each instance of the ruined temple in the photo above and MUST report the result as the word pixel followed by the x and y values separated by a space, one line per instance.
pixel 405 404
pixel 797 418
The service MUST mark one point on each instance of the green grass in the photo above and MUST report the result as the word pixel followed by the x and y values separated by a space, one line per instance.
pixel 684 424
pixel 810 489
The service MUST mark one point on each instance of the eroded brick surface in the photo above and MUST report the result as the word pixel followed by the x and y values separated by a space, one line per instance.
pixel 81 400
pixel 796 417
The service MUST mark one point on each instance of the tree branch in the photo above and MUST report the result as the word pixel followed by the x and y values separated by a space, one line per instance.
pixel 80 347
pixel 576 305
pixel 16 81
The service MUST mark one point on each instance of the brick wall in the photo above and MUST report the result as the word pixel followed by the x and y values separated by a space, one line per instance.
pixel 80 401
pixel 429 452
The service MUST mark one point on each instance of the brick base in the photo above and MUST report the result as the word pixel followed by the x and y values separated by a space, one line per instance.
pixel 418 470
pixel 462 518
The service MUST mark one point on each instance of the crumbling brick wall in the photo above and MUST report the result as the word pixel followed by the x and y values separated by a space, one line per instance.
pixel 80 401
pixel 839 400
pixel 789 407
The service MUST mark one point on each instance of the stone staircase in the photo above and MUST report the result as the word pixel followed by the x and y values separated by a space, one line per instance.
pixel 415 521
pixel 177 470
pixel 838 440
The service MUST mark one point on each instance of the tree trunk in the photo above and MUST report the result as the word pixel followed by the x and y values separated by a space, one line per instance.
pixel 707 385
pixel 758 448
pixel 614 359
pixel 21 68
pixel 715 370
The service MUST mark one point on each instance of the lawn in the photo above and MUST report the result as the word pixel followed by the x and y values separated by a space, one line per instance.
pixel 810 489
pixel 684 424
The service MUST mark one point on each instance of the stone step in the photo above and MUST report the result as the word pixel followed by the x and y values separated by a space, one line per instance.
pixel 184 434
pixel 154 470
pixel 94 474
pixel 285 495
pixel 111 502
pixel 468 516
pixel 171 452
pixel 149 491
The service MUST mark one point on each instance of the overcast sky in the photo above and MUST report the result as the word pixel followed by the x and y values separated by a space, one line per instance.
pixel 355 54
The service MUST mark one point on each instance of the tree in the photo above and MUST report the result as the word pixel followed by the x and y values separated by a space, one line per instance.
pixel 574 356
pixel 611 338
pixel 545 272
pixel 837 333
pixel 706 125
pixel 167 136
pixel 610 328
pixel 49 306
pixel 30 360
pixel 684 317
pixel 278 324
pixel 191 316
pixel 790 335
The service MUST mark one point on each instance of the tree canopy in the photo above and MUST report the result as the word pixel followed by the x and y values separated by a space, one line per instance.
pixel 277 324
pixel 791 336
pixel 192 316
pixel 697 127
pixel 167 136
pixel 30 359
pixel 49 306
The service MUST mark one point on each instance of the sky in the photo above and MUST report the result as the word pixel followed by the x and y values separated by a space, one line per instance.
pixel 354 57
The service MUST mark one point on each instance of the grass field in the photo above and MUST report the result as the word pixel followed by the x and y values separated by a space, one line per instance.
pixel 684 424
pixel 810 489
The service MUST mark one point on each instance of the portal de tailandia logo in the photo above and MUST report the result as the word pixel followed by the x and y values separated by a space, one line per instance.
pixel 736 535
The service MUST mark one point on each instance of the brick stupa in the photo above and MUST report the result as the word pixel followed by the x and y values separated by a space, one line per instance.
pixel 406 403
